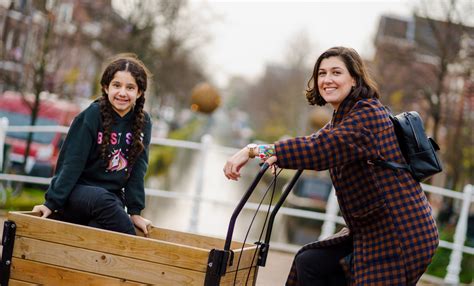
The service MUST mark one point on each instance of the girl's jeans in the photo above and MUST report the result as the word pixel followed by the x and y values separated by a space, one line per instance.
pixel 96 207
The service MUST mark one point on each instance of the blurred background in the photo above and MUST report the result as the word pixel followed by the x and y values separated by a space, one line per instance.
pixel 227 73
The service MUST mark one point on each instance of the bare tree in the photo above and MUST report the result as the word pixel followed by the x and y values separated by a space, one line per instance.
pixel 39 72
pixel 446 30
pixel 423 64
pixel 163 35
pixel 447 100
pixel 276 102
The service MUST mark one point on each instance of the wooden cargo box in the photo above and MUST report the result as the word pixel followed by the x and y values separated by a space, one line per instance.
pixel 51 252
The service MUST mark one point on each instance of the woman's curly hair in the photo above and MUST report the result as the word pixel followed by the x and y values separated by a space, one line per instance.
pixel 130 63
pixel 365 85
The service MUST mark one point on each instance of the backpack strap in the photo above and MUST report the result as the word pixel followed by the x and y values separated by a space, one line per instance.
pixel 391 165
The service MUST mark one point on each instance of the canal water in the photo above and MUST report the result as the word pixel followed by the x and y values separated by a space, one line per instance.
pixel 213 217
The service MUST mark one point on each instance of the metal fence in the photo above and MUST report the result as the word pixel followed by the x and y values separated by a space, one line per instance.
pixel 330 217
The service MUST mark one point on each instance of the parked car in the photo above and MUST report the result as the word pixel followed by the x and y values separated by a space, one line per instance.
pixel 309 193
pixel 45 147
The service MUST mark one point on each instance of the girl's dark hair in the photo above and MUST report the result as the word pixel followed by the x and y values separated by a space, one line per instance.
pixel 130 63
pixel 365 86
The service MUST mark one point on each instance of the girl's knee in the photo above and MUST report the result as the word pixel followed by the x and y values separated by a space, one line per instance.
pixel 107 202
pixel 106 198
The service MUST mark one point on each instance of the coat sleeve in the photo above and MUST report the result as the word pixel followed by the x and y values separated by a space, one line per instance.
pixel 351 140
pixel 135 188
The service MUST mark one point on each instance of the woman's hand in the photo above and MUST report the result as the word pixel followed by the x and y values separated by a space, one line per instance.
pixel 141 223
pixel 43 210
pixel 237 161
pixel 271 161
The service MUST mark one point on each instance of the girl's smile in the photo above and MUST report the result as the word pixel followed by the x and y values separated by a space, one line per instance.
pixel 122 92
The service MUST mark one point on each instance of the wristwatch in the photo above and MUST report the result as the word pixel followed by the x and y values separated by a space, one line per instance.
pixel 252 150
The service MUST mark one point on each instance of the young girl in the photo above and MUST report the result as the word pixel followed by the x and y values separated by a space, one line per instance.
pixel 103 161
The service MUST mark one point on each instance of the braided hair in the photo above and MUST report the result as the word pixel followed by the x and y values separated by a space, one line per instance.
pixel 130 63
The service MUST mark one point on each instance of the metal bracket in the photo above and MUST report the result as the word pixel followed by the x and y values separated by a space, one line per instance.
pixel 8 240
pixel 262 253
pixel 216 266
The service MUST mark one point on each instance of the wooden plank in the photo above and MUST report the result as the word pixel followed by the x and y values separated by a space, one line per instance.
pixel 247 257
pixel 14 282
pixel 208 242
pixel 173 236
pixel 165 246
pixel 241 279
pixel 110 242
pixel 185 238
pixel 104 263
pixel 45 274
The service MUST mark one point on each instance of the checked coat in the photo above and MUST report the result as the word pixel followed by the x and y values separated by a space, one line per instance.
pixel 387 214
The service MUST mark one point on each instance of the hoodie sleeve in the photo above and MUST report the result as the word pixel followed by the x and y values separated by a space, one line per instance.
pixel 71 162
pixel 135 188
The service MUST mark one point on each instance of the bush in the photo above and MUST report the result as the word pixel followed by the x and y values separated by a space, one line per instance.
pixel 28 198
pixel 161 157
pixel 439 264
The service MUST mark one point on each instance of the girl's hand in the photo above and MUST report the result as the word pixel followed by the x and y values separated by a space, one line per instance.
pixel 237 161
pixel 43 210
pixel 141 223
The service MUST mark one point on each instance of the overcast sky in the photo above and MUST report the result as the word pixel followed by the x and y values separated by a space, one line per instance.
pixel 249 34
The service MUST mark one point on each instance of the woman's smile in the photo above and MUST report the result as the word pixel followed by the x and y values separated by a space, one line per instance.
pixel 334 81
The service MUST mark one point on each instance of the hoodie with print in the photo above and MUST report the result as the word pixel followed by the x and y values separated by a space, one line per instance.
pixel 80 160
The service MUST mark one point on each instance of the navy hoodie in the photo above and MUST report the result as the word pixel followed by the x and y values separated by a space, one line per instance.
pixel 80 160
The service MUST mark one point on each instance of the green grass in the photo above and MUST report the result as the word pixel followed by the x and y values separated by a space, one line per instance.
pixel 28 198
pixel 441 259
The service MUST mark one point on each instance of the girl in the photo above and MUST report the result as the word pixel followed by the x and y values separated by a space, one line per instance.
pixel 103 161
pixel 391 235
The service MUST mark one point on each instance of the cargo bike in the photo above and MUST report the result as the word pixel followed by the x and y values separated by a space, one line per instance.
pixel 40 251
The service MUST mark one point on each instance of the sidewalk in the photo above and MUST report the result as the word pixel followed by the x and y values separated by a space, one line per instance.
pixel 276 270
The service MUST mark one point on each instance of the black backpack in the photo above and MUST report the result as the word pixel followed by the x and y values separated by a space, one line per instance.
pixel 418 149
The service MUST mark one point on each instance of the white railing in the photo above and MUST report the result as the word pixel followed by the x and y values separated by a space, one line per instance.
pixel 329 218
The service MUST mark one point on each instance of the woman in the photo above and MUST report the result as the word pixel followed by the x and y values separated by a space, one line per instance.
pixel 391 235
pixel 103 161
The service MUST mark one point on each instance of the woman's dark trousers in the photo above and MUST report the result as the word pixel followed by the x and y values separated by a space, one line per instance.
pixel 320 267
pixel 97 207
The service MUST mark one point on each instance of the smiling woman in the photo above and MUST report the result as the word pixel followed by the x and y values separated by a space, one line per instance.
pixel 378 247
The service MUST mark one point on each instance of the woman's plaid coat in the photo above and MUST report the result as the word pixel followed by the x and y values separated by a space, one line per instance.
pixel 387 214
